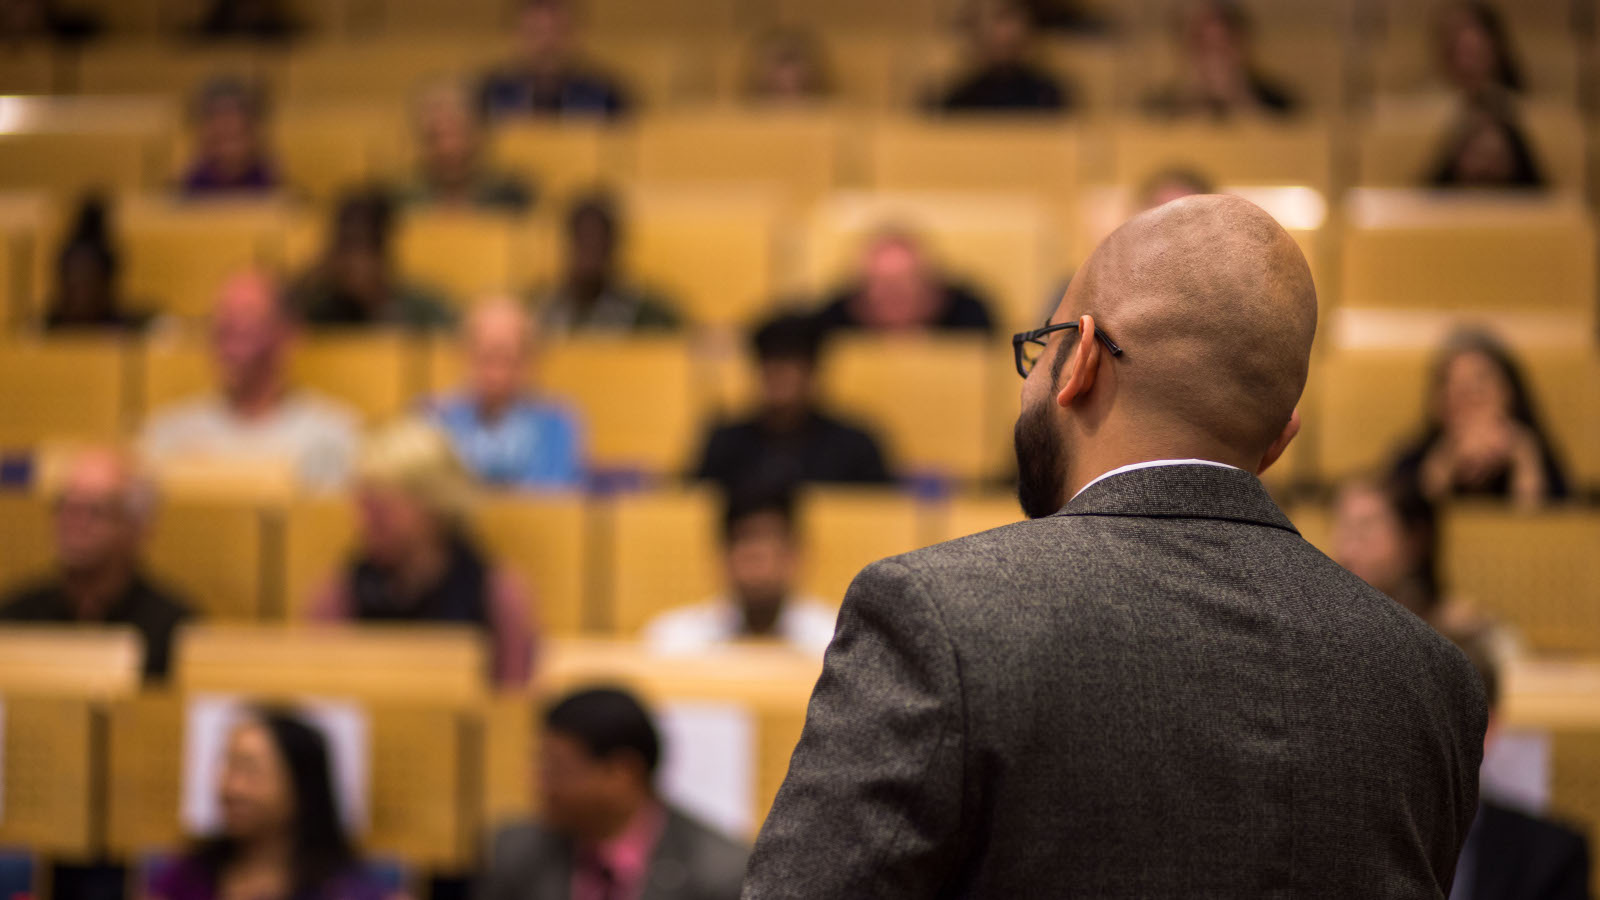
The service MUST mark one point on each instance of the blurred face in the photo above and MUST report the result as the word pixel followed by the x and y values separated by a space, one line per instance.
pixel 255 792
pixel 1166 191
pixel 362 271
pixel 1486 156
pixel 394 524
pixel 1002 31
pixel 248 334
pixel 1473 390
pixel 762 561
pixel 591 245
pixel 94 526
pixel 1208 34
pixel 786 384
pixel 450 140
pixel 582 795
pixel 899 292
pixel 85 284
pixel 1469 52
pixel 229 138
pixel 789 74
pixel 498 355
pixel 1368 539
pixel 544 35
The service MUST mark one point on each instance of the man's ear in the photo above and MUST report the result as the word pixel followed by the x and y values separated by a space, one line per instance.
pixel 1081 366
pixel 1281 443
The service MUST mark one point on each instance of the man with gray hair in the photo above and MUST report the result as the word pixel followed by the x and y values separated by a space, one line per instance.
pixel 103 511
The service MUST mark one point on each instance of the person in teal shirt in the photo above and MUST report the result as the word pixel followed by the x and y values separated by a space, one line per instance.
pixel 507 434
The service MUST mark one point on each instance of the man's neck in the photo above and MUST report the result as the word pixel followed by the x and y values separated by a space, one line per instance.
pixel 760 620
pixel 492 410
pixel 421 569
pixel 1086 467
pixel 259 399
pixel 93 592
pixel 617 825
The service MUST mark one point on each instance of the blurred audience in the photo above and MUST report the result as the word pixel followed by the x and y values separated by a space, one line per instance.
pixel 25 20
pixel 1067 16
pixel 605 832
pixel 1217 77
pixel 787 66
pixel 357 281
pixel 1482 437
pixel 1385 532
pixel 788 439
pixel 103 511
pixel 594 295
pixel 259 20
pixel 452 171
pixel 901 290
pixel 761 565
pixel 88 291
pixel 418 560
pixel 1512 854
pixel 1486 148
pixel 503 429
pixel 280 835
pixel 231 156
pixel 547 74
pixel 1172 184
pixel 1000 75
pixel 1474 53
pixel 256 416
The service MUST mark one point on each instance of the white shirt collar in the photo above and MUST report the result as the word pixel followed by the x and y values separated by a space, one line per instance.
pixel 1151 464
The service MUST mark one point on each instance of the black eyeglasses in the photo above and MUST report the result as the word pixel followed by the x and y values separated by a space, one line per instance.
pixel 1029 346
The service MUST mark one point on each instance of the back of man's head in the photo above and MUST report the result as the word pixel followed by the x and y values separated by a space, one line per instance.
pixel 1214 307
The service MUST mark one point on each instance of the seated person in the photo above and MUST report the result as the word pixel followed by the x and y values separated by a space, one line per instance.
pixel 25 20
pixel 504 432
pixel 901 291
pixel 102 515
pixel 788 440
pixel 1068 16
pixel 357 281
pixel 594 295
pixel 418 560
pixel 88 295
pixel 231 154
pixel 1473 48
pixel 255 415
pixel 788 66
pixel 761 560
pixel 1510 854
pixel 452 171
pixel 546 75
pixel 1216 75
pixel 1001 78
pixel 1172 184
pixel 1386 533
pixel 280 835
pixel 260 20
pixel 1486 148
pixel 1482 437
pixel 605 832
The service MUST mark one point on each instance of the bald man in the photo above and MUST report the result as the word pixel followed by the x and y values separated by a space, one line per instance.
pixel 103 510
pixel 502 427
pixel 256 416
pixel 1154 687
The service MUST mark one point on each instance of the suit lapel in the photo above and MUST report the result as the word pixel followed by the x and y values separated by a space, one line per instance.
pixel 668 877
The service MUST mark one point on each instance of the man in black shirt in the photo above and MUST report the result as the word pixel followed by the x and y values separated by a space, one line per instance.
pixel 1002 78
pixel 788 440
pixel 101 516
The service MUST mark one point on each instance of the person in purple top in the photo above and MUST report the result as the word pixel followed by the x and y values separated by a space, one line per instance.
pixel 231 154
pixel 281 837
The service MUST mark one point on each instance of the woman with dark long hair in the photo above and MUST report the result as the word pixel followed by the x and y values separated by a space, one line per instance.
pixel 1482 437
pixel 281 837
pixel 1385 532
pixel 1474 51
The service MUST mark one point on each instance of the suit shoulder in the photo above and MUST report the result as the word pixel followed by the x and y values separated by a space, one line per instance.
pixel 518 841
pixel 1533 830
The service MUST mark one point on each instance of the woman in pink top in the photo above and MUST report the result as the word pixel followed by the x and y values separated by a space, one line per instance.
pixel 417 560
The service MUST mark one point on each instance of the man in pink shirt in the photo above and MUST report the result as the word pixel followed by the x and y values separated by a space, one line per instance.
pixel 606 834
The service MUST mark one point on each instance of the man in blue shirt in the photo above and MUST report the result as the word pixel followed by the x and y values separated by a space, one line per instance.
pixel 503 431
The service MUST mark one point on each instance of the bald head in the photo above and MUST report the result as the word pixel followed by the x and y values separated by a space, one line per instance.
pixel 102 507
pixel 1213 304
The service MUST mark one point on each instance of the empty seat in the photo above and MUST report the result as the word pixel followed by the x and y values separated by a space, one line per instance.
pixel 967 514
pixel 30 70
pixel 67 145
pixel 1516 257
pixel 636 398
pixel 986 153
pixel 1006 245
pixel 325 149
pixel 180 253
pixel 845 529
pixel 388 71
pixel 162 67
pixel 27 219
pixel 797 151
pixel 659 553
pixel 63 389
pixel 1539 573
pixel 715 253
pixel 1244 153
pixel 559 157
pixel 925 397
pixel 655 74
pixel 1400 142
pixel 903 18
pixel 51 757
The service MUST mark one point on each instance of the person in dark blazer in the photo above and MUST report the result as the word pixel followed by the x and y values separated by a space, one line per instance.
pixel 606 834
pixel 1155 687
pixel 1511 854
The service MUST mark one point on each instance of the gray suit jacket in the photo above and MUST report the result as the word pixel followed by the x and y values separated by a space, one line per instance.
pixel 1161 691
pixel 691 862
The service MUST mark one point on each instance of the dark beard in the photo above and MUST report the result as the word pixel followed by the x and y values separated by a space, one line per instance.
pixel 1041 475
